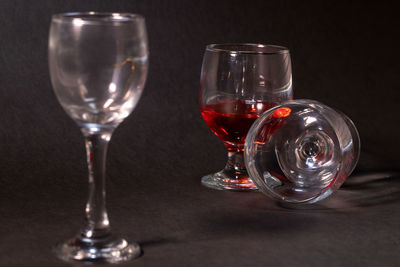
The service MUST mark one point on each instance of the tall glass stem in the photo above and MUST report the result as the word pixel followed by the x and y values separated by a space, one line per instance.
pixel 97 226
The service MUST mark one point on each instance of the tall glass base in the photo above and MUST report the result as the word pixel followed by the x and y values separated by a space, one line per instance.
pixel 96 243
pixel 233 177
pixel 107 250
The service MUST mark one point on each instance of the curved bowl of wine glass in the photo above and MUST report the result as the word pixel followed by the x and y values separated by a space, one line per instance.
pixel 238 83
pixel 301 151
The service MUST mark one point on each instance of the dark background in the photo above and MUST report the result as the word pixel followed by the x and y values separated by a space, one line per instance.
pixel 344 54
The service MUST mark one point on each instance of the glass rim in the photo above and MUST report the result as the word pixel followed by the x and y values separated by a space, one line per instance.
pixel 92 17
pixel 258 48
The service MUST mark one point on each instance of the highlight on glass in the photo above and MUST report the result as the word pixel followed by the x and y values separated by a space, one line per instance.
pixel 98 68
pixel 238 83
pixel 301 151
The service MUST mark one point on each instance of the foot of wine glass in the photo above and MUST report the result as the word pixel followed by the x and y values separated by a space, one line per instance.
pixel 96 243
pixel 233 177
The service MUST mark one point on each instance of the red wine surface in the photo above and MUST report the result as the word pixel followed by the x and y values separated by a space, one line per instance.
pixel 230 120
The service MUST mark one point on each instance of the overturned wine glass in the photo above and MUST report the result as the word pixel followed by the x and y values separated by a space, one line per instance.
pixel 301 151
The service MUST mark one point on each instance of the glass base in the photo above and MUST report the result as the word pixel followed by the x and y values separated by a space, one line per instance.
pixel 220 181
pixel 110 250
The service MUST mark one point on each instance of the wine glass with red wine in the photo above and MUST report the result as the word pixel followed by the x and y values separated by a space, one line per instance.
pixel 238 83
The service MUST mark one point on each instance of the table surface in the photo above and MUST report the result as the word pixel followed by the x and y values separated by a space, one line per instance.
pixel 185 224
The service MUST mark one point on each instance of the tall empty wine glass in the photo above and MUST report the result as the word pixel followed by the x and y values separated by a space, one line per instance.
pixel 98 67
pixel 238 83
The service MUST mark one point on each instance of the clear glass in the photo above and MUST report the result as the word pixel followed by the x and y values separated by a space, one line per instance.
pixel 238 83
pixel 301 151
pixel 98 68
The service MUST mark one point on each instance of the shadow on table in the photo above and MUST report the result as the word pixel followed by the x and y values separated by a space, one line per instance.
pixel 157 242
pixel 358 192
pixel 236 214
pixel 256 213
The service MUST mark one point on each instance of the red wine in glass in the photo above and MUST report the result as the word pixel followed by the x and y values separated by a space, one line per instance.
pixel 230 120
pixel 238 83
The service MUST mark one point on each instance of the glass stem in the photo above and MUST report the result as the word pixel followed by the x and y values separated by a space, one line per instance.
pixel 235 165
pixel 97 226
